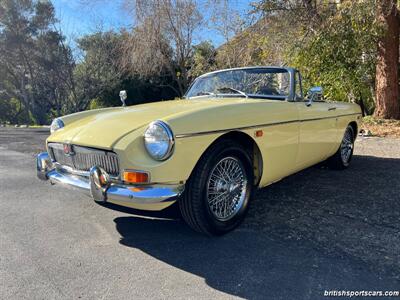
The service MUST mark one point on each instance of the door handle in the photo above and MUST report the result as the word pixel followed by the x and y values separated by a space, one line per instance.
pixel 331 108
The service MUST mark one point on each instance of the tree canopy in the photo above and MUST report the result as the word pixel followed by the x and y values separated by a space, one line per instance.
pixel 350 48
pixel 34 61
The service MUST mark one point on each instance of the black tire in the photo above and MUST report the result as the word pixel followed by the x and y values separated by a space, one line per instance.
pixel 341 161
pixel 194 203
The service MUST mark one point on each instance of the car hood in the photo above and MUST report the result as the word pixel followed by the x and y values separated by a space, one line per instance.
pixel 104 127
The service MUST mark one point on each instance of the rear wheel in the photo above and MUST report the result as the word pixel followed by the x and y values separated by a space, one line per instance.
pixel 218 192
pixel 342 158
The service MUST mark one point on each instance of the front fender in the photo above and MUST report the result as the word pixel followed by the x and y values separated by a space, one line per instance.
pixel 187 152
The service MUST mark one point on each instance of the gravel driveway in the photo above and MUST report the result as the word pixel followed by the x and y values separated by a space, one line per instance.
pixel 316 230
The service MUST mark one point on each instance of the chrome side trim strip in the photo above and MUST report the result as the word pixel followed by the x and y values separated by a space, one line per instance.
pixel 178 136
pixel 184 135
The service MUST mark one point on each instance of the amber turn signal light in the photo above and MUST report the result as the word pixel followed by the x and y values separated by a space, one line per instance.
pixel 259 133
pixel 136 177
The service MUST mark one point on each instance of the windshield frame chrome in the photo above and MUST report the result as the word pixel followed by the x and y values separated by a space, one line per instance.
pixel 289 97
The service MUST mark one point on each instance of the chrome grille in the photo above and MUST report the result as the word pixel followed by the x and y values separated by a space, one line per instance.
pixel 84 158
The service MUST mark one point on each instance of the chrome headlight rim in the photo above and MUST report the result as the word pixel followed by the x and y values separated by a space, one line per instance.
pixel 56 124
pixel 171 140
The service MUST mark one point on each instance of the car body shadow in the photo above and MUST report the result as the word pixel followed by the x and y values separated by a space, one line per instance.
pixel 302 235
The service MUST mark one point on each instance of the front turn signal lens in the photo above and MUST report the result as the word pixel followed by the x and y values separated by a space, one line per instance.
pixel 136 177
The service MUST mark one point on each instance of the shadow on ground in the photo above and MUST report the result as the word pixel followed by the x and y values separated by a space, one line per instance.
pixel 320 229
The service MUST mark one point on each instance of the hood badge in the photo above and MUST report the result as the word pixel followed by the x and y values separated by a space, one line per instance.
pixel 68 151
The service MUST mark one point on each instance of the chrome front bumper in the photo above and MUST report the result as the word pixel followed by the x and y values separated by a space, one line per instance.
pixel 102 188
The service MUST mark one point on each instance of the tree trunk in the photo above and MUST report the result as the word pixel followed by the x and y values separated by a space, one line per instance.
pixel 387 85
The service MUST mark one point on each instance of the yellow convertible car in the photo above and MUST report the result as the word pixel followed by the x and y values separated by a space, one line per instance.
pixel 235 131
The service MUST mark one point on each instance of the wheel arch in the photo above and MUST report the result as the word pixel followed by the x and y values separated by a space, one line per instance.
pixel 248 144
pixel 354 125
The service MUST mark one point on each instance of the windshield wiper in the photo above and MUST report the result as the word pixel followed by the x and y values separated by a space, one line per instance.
pixel 233 90
pixel 205 94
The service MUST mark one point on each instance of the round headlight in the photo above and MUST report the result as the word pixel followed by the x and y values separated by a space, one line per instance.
pixel 56 125
pixel 159 140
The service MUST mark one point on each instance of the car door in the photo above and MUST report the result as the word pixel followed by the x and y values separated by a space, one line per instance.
pixel 317 129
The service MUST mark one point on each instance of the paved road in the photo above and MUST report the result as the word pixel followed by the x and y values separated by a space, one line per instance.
pixel 314 231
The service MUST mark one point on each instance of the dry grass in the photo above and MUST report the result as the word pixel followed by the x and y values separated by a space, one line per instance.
pixel 380 127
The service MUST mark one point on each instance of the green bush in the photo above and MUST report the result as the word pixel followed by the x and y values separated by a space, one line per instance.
pixel 14 112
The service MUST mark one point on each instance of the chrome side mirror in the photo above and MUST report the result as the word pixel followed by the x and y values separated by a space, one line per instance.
pixel 314 94
pixel 123 95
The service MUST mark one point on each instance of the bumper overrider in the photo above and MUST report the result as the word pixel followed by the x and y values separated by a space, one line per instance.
pixel 103 188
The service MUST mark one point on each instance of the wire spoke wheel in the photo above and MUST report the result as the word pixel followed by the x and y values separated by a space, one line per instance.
pixel 219 190
pixel 226 188
pixel 346 148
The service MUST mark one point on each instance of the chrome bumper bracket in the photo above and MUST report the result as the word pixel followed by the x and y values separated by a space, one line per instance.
pixel 99 183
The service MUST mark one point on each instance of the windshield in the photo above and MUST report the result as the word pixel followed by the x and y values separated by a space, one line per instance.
pixel 273 83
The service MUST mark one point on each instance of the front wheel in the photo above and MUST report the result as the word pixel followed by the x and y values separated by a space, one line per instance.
pixel 341 159
pixel 218 192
